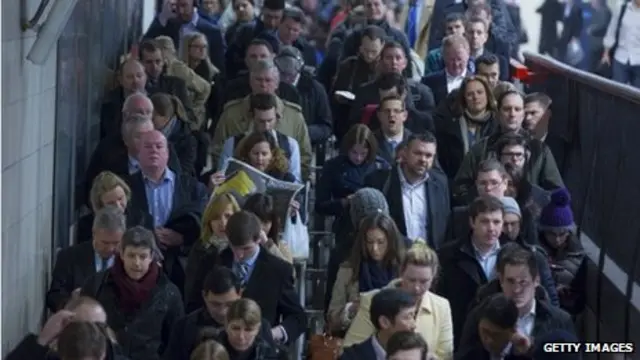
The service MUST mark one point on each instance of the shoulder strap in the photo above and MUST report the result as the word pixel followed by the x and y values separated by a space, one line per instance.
pixel 623 10
pixel 283 143
pixel 387 182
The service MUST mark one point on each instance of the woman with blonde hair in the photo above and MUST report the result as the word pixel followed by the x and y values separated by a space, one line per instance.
pixel 209 350
pixel 109 189
pixel 212 237
pixel 432 319
pixel 170 117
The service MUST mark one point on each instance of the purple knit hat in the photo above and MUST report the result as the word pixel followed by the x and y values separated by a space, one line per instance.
pixel 557 215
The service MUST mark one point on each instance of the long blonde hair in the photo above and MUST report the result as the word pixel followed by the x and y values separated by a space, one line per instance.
pixel 214 211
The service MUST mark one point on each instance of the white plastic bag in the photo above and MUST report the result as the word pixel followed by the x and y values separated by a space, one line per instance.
pixel 575 53
pixel 296 236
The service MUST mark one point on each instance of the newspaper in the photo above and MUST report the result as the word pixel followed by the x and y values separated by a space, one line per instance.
pixel 243 180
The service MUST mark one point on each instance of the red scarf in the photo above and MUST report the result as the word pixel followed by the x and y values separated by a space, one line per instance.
pixel 133 293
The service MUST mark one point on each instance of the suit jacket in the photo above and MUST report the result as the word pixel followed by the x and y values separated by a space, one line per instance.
pixel 437 188
pixel 73 266
pixel 363 350
pixel 384 148
pixel 437 82
pixel 213 34
pixel 547 318
pixel 433 322
pixel 271 286
pixel 111 154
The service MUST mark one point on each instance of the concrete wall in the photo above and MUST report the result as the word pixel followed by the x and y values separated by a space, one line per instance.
pixel 28 123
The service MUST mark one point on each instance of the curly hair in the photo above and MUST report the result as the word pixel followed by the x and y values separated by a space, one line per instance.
pixel 279 162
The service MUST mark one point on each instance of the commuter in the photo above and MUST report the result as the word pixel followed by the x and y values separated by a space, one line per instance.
pixel 314 101
pixel 264 27
pixel 519 281
pixel 240 335
pixel 141 303
pixel 258 50
pixel 259 149
pixel 537 109
pixel 454 25
pixel 375 260
pixel 194 54
pixel 212 240
pixel 394 60
pixel 369 96
pixel 170 118
pixel 131 87
pixel 392 114
pixel 108 190
pixel 572 23
pixel 455 53
pixel 290 32
pixel 119 153
pixel 489 67
pixel 477 32
pixel 263 207
pixel 407 345
pixel 245 13
pixel 159 82
pixel 502 40
pixel 621 44
pixel 498 336
pixel 174 201
pixel 211 10
pixel 259 273
pixel 184 19
pixel 567 256
pixel 596 31
pixel 75 264
pixel 236 117
pixel 221 288
pixel 430 313
pixel 209 350
pixel 199 88
pixel 542 171
pixel 389 311
pixel 345 174
pixel 469 262
pixel 418 194
pixel 264 116
pixel 457 134
pixel 376 15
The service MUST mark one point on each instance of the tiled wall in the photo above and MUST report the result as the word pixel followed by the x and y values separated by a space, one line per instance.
pixel 28 118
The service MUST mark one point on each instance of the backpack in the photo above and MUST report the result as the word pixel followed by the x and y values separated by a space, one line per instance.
pixel 282 139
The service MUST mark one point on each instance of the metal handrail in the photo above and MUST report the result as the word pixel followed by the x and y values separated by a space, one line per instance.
pixel 544 63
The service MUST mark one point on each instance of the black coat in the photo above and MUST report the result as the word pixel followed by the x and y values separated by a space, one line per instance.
pixel 30 349
pixel 437 82
pixel 145 334
pixel 111 155
pixel 363 350
pixel 437 188
pixel 213 34
pixel 270 285
pixel 384 148
pixel 187 331
pixel 185 145
pixel 315 107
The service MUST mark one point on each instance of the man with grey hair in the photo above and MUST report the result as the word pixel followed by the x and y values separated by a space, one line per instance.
pixel 138 103
pixel 236 117
pixel 75 264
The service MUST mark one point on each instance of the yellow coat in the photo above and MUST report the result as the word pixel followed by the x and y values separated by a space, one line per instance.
pixel 433 322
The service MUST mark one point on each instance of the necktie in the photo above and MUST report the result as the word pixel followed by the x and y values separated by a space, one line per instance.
pixel 393 144
pixel 412 23
pixel 242 271
pixel 105 264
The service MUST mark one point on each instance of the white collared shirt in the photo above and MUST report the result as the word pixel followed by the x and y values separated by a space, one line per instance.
pixel 526 322
pixel 488 260
pixel 397 138
pixel 415 207
pixel 628 50
pixel 454 82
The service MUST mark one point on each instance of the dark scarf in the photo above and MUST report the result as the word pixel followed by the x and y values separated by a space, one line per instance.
pixel 352 176
pixel 133 294
pixel 373 276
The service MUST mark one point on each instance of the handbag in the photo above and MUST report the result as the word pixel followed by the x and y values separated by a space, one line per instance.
pixel 324 347
pixel 296 236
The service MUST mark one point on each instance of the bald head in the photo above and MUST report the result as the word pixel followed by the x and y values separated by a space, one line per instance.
pixel 87 309
pixel 132 76
pixel 154 153
pixel 137 104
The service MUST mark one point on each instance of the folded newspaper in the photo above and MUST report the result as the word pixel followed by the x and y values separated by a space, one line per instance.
pixel 243 180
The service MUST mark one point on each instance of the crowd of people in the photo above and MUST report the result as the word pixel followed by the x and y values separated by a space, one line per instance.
pixel 453 232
